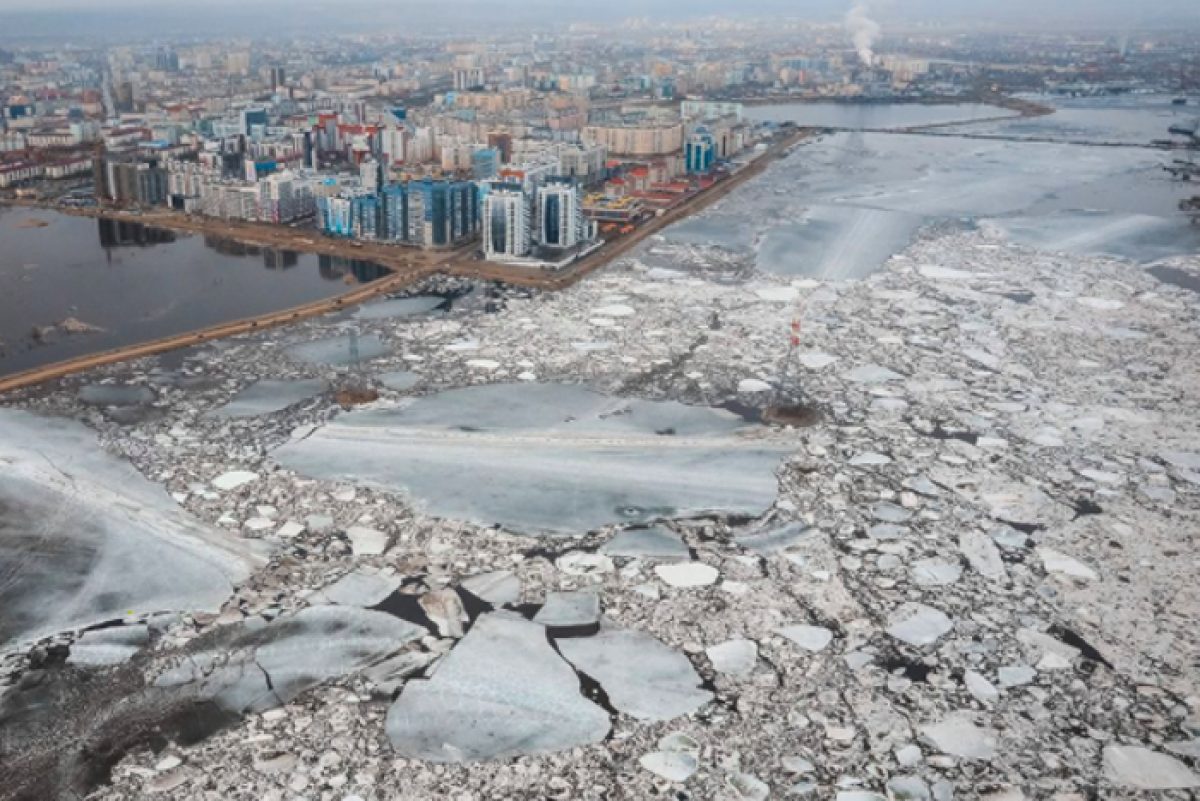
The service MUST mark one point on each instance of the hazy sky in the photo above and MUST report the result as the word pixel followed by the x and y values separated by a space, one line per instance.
pixel 134 18
pixel 957 8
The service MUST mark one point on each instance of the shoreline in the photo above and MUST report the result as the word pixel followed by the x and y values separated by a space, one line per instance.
pixel 408 266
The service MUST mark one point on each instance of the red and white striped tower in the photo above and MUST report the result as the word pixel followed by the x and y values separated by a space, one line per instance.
pixel 795 333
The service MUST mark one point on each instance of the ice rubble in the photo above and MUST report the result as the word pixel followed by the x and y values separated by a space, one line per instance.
pixel 1007 407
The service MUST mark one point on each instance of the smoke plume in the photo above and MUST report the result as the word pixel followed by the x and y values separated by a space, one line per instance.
pixel 864 31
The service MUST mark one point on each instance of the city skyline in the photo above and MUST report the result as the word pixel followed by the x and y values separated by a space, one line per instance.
pixel 65 19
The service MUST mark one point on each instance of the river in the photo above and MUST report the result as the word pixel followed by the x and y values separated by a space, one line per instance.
pixel 135 283
pixel 873 116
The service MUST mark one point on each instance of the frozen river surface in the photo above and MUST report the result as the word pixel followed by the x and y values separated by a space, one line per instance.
pixel 866 116
pixel 85 539
pixel 1132 119
pixel 837 209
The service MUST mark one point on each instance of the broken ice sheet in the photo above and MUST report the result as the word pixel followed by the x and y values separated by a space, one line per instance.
pixel 399 307
pixel 774 540
pixel 958 736
pixel 983 690
pixel 234 479
pixel 116 395
pixel 569 610
pixel 734 657
pixel 497 588
pixel 932 572
pixel 359 588
pixel 1143 769
pixel 1060 563
pixel 982 554
pixel 917 624
pixel 255 666
pixel 268 397
pixel 656 543
pixel 502 692
pixel 687 575
pixel 810 638
pixel 642 677
pixel 85 538
pixel 545 458
pixel 674 767
pixel 108 646
pixel 338 350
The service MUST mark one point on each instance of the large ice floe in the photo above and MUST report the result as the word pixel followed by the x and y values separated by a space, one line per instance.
pixel 340 350
pixel 268 397
pixel 84 538
pixel 502 692
pixel 548 458
pixel 257 665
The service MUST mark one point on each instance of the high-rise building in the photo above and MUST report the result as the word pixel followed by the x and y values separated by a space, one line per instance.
pixel 393 213
pixel 466 78
pixel 583 162
pixel 166 61
pixel 278 78
pixel 506 228
pixel 134 180
pixel 468 72
pixel 335 214
pixel 253 121
pixel 485 163
pixel 393 144
pixel 371 174
pixel 366 216
pixel 700 152
pixel 502 142
pixel 560 215
pixel 237 63
pixel 123 96
pixel 424 213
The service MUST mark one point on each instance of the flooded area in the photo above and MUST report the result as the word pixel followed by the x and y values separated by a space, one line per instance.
pixel 70 286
